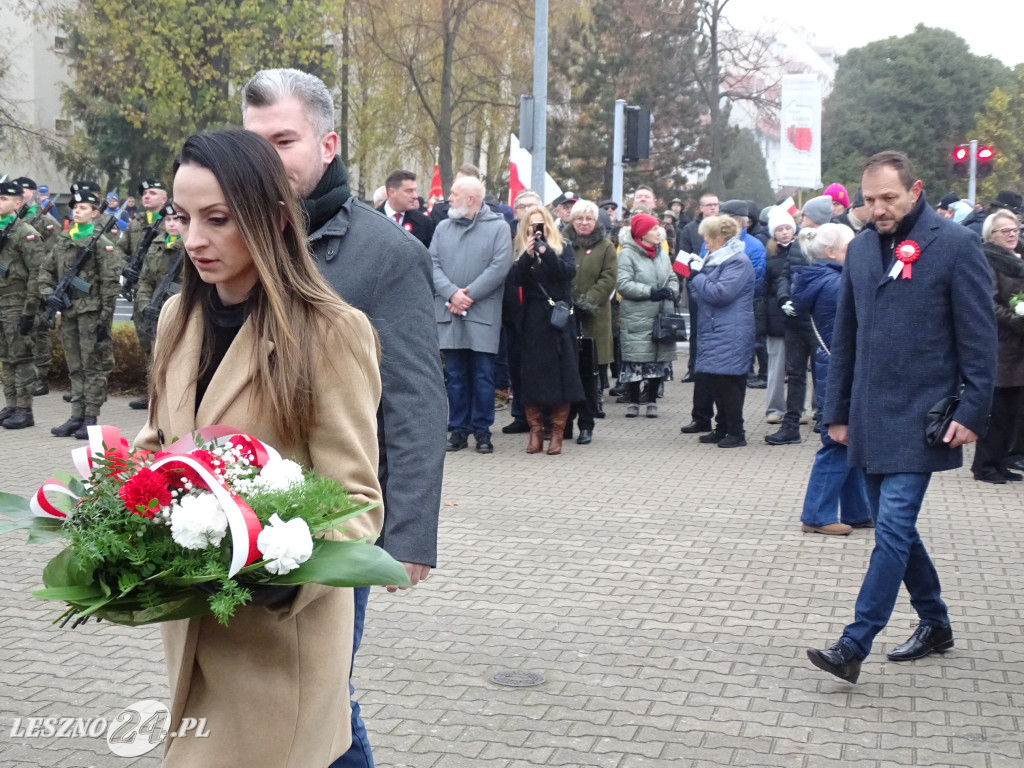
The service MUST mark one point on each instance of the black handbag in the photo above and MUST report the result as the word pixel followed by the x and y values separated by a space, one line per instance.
pixel 936 423
pixel 669 326
pixel 561 311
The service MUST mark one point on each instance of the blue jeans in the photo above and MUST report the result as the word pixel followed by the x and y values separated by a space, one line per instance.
pixel 469 379
pixel 359 754
pixel 899 556
pixel 834 483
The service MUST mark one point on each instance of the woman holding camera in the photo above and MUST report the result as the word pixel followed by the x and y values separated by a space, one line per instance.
pixel 549 369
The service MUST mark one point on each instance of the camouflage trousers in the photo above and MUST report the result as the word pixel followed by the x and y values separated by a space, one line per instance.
pixel 89 362
pixel 16 354
pixel 145 343
pixel 42 347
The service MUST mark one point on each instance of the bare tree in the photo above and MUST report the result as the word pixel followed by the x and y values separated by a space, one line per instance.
pixel 731 66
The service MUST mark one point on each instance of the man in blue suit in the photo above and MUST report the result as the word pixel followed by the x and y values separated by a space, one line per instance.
pixel 915 324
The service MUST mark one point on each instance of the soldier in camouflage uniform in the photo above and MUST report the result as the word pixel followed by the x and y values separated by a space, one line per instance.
pixel 42 220
pixel 19 301
pixel 85 325
pixel 153 193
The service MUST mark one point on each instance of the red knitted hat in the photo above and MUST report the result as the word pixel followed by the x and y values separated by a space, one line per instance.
pixel 640 224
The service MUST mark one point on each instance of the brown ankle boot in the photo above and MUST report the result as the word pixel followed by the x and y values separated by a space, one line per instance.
pixel 559 415
pixel 535 418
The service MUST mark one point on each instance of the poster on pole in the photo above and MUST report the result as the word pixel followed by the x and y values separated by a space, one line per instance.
pixel 800 158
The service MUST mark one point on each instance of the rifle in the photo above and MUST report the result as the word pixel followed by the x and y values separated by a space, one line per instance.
pixel 167 287
pixel 60 299
pixel 132 270
pixel 6 232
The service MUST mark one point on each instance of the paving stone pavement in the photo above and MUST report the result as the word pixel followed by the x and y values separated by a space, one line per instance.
pixel 662 588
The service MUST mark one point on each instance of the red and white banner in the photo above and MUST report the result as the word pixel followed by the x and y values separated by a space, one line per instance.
pixel 520 170
pixel 800 124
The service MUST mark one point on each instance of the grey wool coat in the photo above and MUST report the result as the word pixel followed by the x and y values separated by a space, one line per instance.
pixel 901 345
pixel 475 254
pixel 638 274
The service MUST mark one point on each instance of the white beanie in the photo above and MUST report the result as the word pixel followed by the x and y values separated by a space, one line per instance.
pixel 779 217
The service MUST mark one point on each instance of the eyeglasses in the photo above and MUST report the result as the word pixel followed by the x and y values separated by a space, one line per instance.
pixel 709 205
pixel 1006 232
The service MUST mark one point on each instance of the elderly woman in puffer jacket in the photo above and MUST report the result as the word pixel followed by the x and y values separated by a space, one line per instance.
pixel 723 283
pixel 647 285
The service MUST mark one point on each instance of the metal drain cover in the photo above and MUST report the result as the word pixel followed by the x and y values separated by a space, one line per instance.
pixel 517 679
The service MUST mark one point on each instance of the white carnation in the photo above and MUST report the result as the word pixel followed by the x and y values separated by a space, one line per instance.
pixel 1019 309
pixel 278 475
pixel 198 521
pixel 288 544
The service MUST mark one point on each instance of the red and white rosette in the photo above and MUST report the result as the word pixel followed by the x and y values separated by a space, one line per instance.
pixel 906 253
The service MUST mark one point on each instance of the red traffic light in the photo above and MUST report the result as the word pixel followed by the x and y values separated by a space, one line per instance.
pixel 985 153
pixel 960 153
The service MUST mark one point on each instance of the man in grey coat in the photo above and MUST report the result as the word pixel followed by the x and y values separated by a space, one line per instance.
pixel 384 271
pixel 915 324
pixel 472 253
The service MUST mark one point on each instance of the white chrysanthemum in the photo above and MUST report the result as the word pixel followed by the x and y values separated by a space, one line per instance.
pixel 289 544
pixel 1019 309
pixel 278 475
pixel 198 521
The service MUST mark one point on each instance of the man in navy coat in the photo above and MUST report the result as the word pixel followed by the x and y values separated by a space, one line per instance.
pixel 915 324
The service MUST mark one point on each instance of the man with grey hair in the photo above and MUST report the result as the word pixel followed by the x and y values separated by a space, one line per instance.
pixel 384 271
pixel 472 254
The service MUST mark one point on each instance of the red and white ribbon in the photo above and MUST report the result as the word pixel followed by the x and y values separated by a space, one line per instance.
pixel 242 521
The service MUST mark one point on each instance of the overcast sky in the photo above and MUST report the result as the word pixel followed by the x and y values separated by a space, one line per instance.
pixel 851 25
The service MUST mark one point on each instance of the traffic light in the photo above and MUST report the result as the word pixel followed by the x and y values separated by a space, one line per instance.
pixel 638 135
pixel 985 158
pixel 962 159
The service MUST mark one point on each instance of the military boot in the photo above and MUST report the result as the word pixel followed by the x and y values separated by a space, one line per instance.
pixel 82 433
pixel 139 403
pixel 42 388
pixel 67 397
pixel 8 410
pixel 68 428
pixel 22 418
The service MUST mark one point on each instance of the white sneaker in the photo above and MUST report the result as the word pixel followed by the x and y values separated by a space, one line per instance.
pixel 774 418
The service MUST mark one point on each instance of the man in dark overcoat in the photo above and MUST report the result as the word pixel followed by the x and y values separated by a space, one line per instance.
pixel 915 324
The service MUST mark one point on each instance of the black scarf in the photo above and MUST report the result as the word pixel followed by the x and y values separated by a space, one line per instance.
pixel 1004 261
pixel 330 194
pixel 583 242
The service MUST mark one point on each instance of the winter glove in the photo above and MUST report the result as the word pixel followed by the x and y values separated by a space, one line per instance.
pixel 660 294
pixel 101 331
pixel 53 303
pixel 696 264
pixel 25 323
pixel 788 308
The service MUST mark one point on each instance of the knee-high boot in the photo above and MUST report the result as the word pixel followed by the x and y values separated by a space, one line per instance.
pixel 535 418
pixel 559 415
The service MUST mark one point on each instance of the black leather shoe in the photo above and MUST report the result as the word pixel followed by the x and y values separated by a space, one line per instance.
pixel 599 412
pixel 712 437
pixel 585 437
pixel 19 420
pixel 617 390
pixel 1017 462
pixel 733 441
pixel 484 445
pixel 517 427
pixel 837 660
pixel 687 379
pixel 925 640
pixel 456 442
pixel 696 426
pixel 41 389
pixel 991 477
pixel 67 397
pixel 787 435
pixel 139 403
pixel 1013 477
pixel 68 428
pixel 82 433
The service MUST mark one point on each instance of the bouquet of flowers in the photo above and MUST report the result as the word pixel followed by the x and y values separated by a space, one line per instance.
pixel 214 522
pixel 1017 303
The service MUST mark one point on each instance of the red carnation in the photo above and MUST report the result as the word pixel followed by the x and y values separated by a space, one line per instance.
pixel 247 449
pixel 142 489
pixel 212 460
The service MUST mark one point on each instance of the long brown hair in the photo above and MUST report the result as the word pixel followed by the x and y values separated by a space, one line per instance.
pixel 291 305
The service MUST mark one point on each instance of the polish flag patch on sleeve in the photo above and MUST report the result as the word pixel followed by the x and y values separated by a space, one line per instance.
pixel 30 238
pixel 109 247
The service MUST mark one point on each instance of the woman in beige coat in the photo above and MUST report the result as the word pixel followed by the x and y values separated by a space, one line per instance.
pixel 257 340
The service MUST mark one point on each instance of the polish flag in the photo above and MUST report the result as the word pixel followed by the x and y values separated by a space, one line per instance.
pixel 436 191
pixel 789 206
pixel 520 169
pixel 681 265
